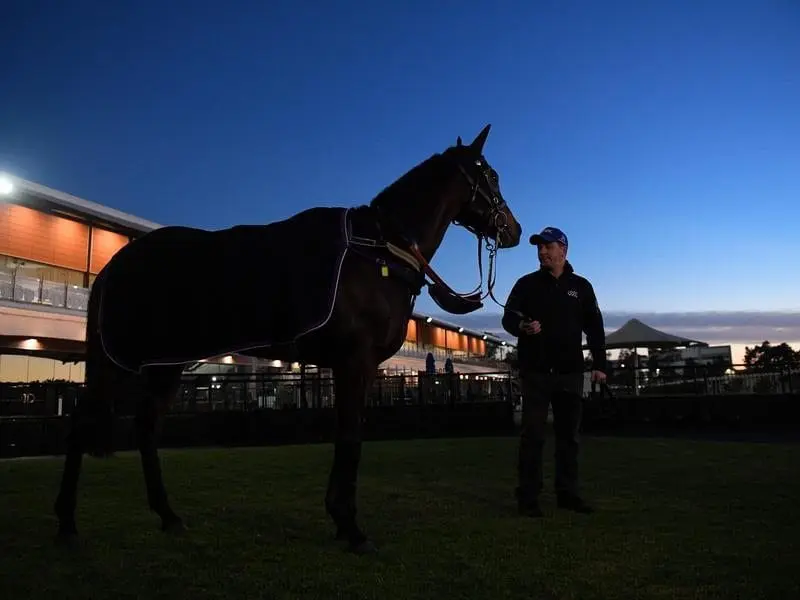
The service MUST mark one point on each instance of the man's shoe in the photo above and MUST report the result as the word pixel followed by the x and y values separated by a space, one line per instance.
pixel 574 503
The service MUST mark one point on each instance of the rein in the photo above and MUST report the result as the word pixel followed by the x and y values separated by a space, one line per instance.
pixel 412 256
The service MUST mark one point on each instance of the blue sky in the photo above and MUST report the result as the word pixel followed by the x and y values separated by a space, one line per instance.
pixel 663 137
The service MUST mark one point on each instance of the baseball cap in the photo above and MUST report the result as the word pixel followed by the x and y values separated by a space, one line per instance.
pixel 550 234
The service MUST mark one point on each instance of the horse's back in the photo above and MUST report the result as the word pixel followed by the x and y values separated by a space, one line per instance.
pixel 181 293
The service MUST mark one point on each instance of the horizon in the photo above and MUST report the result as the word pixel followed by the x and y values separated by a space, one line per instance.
pixel 737 329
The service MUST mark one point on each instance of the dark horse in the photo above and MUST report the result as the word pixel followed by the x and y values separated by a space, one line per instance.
pixel 329 286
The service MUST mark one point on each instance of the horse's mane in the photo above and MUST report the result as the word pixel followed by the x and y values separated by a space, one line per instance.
pixel 425 173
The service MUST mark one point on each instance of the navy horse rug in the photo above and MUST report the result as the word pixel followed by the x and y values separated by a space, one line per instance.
pixel 178 294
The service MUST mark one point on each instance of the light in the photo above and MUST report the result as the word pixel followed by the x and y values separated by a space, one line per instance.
pixel 6 187
pixel 484 337
pixel 30 344
pixel 429 319
pixel 460 330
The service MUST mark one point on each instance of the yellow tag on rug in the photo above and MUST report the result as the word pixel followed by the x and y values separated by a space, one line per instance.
pixel 384 270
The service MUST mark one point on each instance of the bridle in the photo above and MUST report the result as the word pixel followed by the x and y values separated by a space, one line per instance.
pixel 485 186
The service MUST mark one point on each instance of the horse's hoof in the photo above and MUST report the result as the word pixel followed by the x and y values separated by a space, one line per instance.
pixel 174 526
pixel 361 548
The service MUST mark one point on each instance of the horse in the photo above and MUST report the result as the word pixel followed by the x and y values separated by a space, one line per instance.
pixel 329 286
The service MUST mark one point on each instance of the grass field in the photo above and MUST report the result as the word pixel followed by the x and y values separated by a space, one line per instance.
pixel 677 519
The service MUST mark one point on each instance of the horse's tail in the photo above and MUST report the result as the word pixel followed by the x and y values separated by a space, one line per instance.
pixel 93 417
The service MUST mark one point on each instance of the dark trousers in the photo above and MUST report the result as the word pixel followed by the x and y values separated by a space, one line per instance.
pixel 565 393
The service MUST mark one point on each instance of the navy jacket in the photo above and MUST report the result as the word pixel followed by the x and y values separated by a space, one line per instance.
pixel 566 307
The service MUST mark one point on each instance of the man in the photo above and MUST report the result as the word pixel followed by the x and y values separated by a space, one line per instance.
pixel 547 311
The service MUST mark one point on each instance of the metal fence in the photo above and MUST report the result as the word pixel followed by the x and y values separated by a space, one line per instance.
pixel 284 391
pixel 245 392
pixel 702 380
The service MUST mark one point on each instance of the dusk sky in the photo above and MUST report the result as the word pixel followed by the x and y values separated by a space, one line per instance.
pixel 662 137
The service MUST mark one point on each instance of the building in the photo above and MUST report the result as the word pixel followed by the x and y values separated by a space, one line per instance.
pixel 680 358
pixel 52 245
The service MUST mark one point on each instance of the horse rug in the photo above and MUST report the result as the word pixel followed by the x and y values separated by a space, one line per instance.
pixel 179 294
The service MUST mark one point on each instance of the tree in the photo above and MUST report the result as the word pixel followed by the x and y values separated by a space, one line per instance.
pixel 769 358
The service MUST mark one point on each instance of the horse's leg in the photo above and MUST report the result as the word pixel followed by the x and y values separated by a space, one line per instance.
pixel 68 492
pixel 352 382
pixel 161 387
pixel 91 424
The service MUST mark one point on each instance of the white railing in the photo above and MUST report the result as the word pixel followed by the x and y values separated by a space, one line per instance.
pixel 32 290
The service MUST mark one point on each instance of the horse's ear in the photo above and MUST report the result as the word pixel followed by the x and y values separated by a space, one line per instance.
pixel 458 141
pixel 480 140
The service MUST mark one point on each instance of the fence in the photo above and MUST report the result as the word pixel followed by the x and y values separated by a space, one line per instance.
pixel 702 380
pixel 249 392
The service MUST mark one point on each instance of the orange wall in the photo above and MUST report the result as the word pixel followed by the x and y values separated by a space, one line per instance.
pixel 104 245
pixel 29 234
pixel 437 337
pixel 431 335
pixel 411 331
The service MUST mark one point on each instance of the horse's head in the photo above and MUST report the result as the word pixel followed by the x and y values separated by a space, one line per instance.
pixel 483 209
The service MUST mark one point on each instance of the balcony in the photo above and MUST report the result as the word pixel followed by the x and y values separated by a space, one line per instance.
pixel 29 290
pixel 441 355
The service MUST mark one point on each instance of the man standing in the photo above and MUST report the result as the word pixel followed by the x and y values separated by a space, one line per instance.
pixel 548 310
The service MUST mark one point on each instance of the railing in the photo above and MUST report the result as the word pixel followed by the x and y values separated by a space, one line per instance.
pixel 244 392
pixel 441 355
pixel 31 290
pixel 711 380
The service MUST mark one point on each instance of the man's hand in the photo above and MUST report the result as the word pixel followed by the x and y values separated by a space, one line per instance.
pixel 598 377
pixel 530 327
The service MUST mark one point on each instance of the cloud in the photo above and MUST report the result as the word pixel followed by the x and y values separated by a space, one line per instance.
pixel 735 327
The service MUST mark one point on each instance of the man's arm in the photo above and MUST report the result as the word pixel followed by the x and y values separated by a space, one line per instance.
pixel 594 329
pixel 513 310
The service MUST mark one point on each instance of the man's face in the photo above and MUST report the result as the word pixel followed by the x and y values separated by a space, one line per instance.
pixel 551 255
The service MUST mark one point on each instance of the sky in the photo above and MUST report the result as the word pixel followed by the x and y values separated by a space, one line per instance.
pixel 662 137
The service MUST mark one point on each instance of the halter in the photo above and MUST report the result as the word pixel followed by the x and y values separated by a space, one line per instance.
pixel 442 293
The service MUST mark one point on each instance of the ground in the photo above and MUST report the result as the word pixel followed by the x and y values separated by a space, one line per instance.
pixel 677 519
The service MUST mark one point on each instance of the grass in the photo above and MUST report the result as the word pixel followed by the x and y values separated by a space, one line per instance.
pixel 677 519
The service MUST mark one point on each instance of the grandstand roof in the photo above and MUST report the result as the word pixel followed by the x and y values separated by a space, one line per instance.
pixel 81 206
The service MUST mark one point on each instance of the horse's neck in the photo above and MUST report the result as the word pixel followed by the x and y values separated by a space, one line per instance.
pixel 430 225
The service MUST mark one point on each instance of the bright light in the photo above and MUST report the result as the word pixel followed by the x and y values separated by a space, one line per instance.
pixel 429 319
pixel 6 187
pixel 460 330
pixel 30 344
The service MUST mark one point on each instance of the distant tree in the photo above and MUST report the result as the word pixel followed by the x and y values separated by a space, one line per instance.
pixel 766 357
